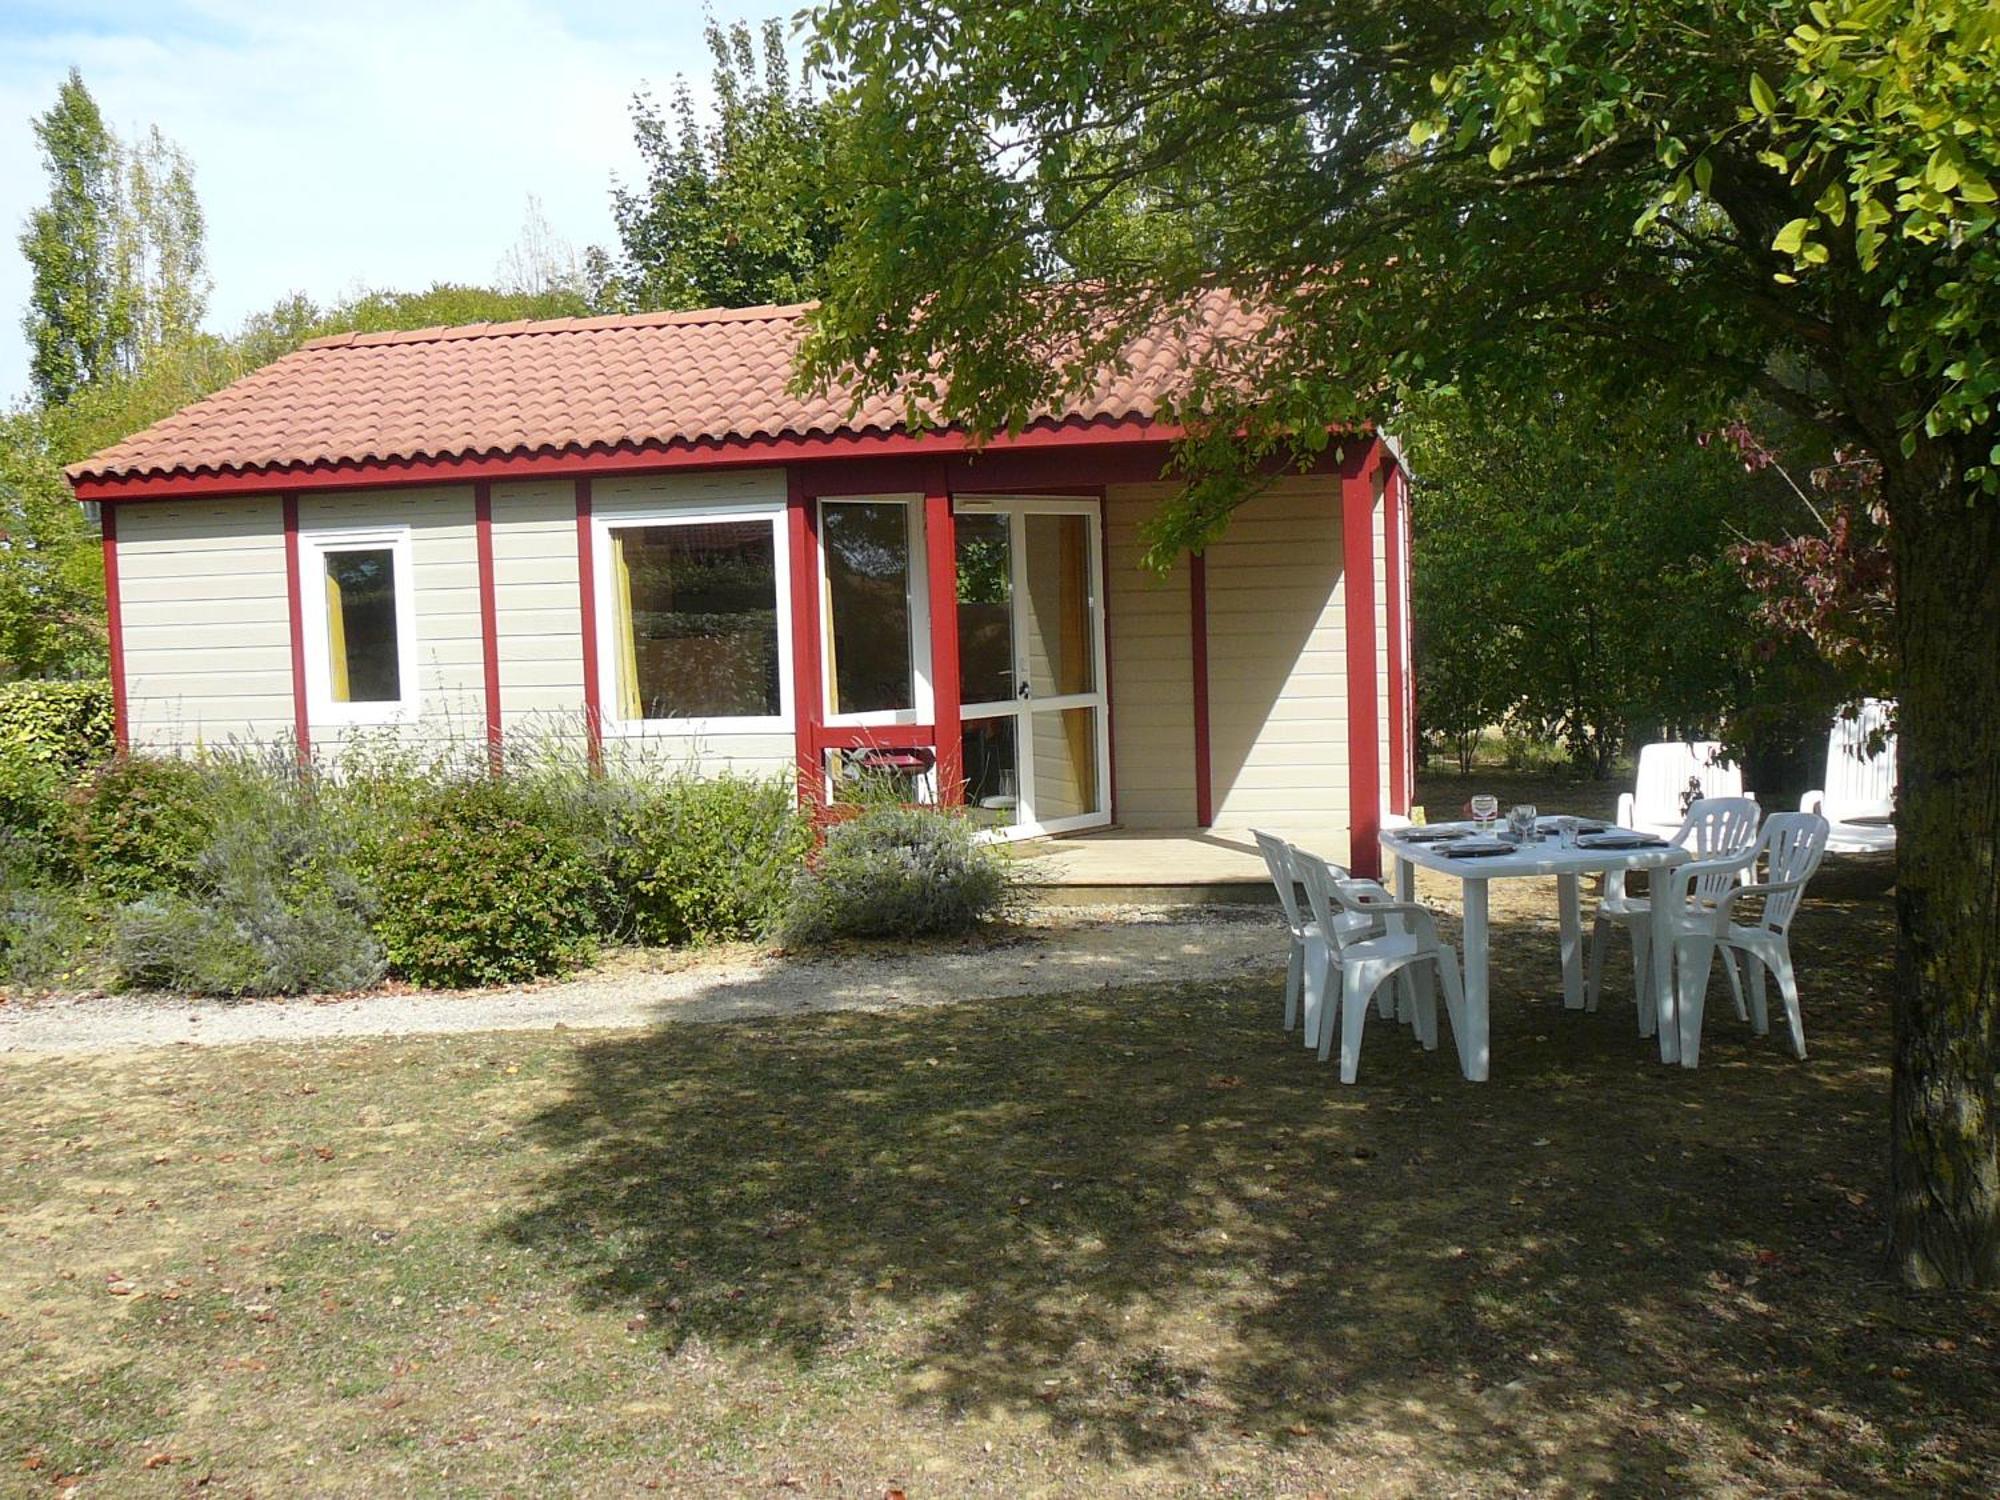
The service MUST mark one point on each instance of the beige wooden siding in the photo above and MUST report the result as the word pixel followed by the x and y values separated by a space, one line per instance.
pixel 1277 664
pixel 1152 671
pixel 537 620
pixel 444 557
pixel 206 626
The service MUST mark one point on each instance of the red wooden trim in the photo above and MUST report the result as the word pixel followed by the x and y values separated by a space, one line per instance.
pixel 873 736
pixel 1069 455
pixel 1071 435
pixel 114 622
pixel 586 589
pixel 808 716
pixel 1364 785
pixel 941 553
pixel 489 619
pixel 1110 702
pixel 1204 780
pixel 1394 576
pixel 1075 471
pixel 301 715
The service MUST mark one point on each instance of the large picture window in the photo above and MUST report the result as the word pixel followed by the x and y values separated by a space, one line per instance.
pixel 359 606
pixel 696 619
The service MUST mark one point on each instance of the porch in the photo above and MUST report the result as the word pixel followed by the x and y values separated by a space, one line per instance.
pixel 1012 652
pixel 1116 866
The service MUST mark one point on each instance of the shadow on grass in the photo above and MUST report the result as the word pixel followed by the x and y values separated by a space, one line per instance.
pixel 1152 1218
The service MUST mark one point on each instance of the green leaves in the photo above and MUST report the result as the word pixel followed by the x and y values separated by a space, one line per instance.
pixel 1478 183
pixel 735 209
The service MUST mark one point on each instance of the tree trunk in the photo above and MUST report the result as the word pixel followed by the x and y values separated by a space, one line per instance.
pixel 1945 1139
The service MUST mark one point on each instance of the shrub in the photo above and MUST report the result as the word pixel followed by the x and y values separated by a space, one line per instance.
pixel 51 734
pixel 1527 750
pixel 475 893
pixel 274 907
pixel 48 937
pixel 231 948
pixel 64 725
pixel 34 816
pixel 169 941
pixel 701 860
pixel 139 825
pixel 899 872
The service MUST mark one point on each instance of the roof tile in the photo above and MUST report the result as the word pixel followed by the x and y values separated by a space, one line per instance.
pixel 605 383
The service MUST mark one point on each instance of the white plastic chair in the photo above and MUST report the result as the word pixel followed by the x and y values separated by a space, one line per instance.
pixel 1278 860
pixel 1789 850
pixel 1858 786
pixel 1305 931
pixel 1667 771
pixel 1714 828
pixel 1398 935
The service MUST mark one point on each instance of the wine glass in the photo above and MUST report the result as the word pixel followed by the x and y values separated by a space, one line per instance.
pixel 1485 807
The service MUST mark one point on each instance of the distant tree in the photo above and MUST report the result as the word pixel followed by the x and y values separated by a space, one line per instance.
pixel 540 262
pixel 733 211
pixel 162 257
pixel 78 320
pixel 296 319
pixel 1574 570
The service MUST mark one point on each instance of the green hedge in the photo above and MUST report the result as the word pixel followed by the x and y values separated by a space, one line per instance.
pixel 473 893
pixel 63 725
pixel 238 872
pixel 139 825
pixel 708 860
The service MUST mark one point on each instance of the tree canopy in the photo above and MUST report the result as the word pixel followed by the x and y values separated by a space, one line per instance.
pixel 734 210
pixel 117 251
pixel 1412 189
pixel 1793 199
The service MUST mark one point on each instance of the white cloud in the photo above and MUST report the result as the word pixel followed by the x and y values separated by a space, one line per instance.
pixel 360 144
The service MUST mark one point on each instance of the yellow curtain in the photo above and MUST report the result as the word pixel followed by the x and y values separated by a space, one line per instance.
pixel 1079 667
pixel 832 646
pixel 336 640
pixel 1074 561
pixel 630 709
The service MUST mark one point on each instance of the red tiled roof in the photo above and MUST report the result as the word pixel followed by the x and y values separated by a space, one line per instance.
pixel 571 385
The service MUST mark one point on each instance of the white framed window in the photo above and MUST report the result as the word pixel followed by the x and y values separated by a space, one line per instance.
pixel 358 607
pixel 875 640
pixel 694 620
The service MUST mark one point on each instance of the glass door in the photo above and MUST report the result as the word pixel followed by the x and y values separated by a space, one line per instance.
pixel 1031 664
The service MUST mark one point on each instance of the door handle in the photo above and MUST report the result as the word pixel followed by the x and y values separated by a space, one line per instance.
pixel 1026 690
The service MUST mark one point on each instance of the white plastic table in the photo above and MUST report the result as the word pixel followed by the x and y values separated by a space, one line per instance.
pixel 1545 857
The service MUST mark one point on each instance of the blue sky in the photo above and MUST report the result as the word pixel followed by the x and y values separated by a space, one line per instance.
pixel 358 144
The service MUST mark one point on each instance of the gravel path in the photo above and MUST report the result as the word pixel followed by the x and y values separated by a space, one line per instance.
pixel 1053 952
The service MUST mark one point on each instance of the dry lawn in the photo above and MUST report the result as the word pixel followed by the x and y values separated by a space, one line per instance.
pixel 1129 1243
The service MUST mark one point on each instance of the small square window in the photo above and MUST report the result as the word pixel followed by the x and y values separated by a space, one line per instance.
pixel 359 615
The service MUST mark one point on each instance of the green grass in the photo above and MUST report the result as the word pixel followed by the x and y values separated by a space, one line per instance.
pixel 1131 1243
